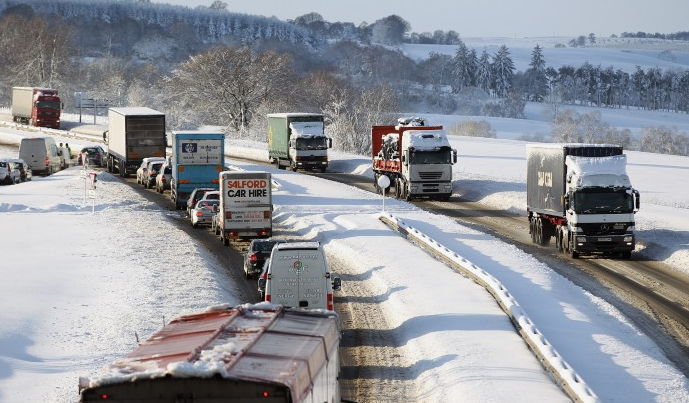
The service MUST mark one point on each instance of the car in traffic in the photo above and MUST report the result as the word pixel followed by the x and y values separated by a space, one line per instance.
pixel 8 175
pixel 147 173
pixel 19 164
pixel 94 156
pixel 163 178
pixel 202 213
pixel 195 196
pixel 256 254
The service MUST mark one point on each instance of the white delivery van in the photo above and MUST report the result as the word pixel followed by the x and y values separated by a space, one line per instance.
pixel 40 154
pixel 297 275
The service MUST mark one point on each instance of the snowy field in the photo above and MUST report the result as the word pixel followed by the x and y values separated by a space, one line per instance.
pixel 89 285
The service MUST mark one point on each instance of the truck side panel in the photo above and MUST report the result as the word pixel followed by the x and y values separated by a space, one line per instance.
pixel 246 203
pixel 197 158
pixel 22 101
pixel 545 180
pixel 278 137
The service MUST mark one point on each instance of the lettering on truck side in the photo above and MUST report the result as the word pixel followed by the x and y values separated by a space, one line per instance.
pixel 241 184
pixel 545 179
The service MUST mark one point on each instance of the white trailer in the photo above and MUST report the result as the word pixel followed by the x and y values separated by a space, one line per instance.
pixel 246 206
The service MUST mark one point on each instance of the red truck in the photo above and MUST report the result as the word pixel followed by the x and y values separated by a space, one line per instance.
pixel 36 106
pixel 416 158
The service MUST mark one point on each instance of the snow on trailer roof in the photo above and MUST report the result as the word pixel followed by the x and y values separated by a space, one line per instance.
pixel 292 114
pixel 307 129
pixel 136 111
pixel 427 139
pixel 297 245
pixel 259 343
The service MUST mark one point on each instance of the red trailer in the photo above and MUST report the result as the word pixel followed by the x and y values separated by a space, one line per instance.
pixel 239 354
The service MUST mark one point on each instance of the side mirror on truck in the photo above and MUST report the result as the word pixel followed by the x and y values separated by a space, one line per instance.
pixel 637 200
pixel 454 156
pixel 330 142
pixel 337 284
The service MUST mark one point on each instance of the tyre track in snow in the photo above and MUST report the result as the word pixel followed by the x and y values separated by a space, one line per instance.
pixel 374 368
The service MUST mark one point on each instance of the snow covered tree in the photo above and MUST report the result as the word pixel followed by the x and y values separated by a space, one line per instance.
pixel 503 72
pixel 535 76
pixel 232 82
pixel 460 73
pixel 484 73
pixel 390 30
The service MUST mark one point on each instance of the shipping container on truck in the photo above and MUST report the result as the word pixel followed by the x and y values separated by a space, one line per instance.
pixel 249 353
pixel 246 206
pixel 134 133
pixel 416 158
pixel 297 141
pixel 197 159
pixel 580 194
pixel 36 106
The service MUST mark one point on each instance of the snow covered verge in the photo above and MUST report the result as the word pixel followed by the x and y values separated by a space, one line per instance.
pixel 99 281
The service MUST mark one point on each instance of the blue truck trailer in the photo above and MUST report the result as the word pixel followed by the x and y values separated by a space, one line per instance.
pixel 197 159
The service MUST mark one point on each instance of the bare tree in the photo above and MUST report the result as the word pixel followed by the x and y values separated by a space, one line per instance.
pixel 228 84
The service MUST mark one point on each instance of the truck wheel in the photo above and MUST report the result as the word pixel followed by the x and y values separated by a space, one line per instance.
pixel 626 255
pixel 572 253
pixel 225 240
pixel 323 170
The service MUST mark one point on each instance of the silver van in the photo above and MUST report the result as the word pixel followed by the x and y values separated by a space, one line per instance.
pixel 297 275
pixel 41 155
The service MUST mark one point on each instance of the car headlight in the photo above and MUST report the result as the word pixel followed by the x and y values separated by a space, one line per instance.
pixel 581 239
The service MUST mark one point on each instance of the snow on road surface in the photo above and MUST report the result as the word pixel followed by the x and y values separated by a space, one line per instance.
pixel 80 285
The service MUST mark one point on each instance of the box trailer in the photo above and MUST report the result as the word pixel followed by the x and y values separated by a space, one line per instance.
pixel 197 159
pixel 248 353
pixel 133 134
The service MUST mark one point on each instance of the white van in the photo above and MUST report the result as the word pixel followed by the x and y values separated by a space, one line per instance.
pixel 297 275
pixel 40 154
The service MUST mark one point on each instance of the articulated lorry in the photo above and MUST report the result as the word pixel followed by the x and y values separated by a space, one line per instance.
pixel 246 206
pixel 415 157
pixel 248 353
pixel 297 141
pixel 133 134
pixel 36 106
pixel 581 195
pixel 197 159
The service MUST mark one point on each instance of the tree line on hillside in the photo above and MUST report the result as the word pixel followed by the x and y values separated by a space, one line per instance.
pixel 235 83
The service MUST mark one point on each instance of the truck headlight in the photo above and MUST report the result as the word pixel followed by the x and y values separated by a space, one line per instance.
pixel 448 187
pixel 628 238
pixel 581 239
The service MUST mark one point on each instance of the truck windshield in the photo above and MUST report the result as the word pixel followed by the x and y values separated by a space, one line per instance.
pixel 430 157
pixel 311 143
pixel 602 202
pixel 48 104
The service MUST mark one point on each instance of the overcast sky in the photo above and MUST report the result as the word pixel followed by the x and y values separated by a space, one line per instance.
pixel 507 18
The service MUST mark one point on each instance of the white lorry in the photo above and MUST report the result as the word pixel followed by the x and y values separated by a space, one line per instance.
pixel 246 206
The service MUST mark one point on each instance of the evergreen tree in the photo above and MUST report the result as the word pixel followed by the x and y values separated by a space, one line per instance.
pixel 484 74
pixel 460 68
pixel 503 72
pixel 537 82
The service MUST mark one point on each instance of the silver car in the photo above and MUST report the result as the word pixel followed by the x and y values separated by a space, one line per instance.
pixel 202 213
pixel 163 178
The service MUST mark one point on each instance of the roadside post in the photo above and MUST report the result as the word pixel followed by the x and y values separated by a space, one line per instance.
pixel 383 183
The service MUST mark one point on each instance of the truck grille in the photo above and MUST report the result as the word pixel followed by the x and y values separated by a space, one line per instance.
pixel 430 175
pixel 604 228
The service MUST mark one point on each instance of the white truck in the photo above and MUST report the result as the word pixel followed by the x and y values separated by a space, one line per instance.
pixel 246 206
pixel 580 194
pixel 416 158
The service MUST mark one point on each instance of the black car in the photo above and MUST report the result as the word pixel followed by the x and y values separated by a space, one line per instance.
pixel 94 154
pixel 256 254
